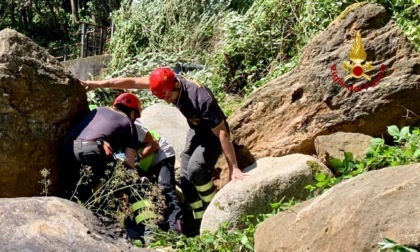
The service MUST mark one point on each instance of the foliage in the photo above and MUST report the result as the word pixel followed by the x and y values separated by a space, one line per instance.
pixel 225 238
pixel 347 168
pixel 407 15
pixel 117 190
pixel 241 44
pixel 406 150
pixel 164 28
pixel 265 42
pixel 390 245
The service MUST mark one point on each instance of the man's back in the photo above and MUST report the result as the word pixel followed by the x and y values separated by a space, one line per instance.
pixel 198 105
pixel 108 125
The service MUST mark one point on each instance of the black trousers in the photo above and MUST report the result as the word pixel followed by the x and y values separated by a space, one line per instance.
pixel 197 162
pixel 198 159
pixel 89 155
pixel 164 174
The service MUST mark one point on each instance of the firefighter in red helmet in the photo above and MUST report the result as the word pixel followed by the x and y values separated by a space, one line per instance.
pixel 207 138
pixel 93 141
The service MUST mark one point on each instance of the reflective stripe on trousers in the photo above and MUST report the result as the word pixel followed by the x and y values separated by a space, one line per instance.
pixel 206 192
pixel 198 209
pixel 143 209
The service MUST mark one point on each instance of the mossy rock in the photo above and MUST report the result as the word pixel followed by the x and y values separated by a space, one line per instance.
pixel 350 9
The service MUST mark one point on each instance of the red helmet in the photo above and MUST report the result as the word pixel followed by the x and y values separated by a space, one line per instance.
pixel 129 100
pixel 162 81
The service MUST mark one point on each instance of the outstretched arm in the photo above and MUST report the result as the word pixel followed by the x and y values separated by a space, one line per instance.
pixel 224 137
pixel 117 83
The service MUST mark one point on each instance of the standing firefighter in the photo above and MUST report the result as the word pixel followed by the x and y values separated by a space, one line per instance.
pixel 207 138
pixel 93 141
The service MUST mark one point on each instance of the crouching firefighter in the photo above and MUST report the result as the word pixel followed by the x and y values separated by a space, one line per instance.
pixel 93 141
pixel 157 161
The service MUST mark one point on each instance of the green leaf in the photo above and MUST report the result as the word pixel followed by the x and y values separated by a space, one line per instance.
pixel 376 142
pixel 320 176
pixel 395 163
pixel 321 183
pixel 92 106
pixel 275 205
pixel 245 241
pixel 137 243
pixel 208 238
pixel 405 132
pixel 348 156
pixel 416 153
pixel 394 131
pixel 310 188
pixel 335 162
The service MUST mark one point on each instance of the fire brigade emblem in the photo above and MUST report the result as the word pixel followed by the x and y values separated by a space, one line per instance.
pixel 357 56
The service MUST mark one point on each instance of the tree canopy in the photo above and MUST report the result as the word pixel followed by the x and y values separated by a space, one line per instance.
pixel 232 46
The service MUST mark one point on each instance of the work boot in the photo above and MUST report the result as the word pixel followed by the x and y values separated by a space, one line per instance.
pixel 190 226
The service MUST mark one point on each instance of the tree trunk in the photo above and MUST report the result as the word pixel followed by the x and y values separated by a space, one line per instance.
pixel 75 10
pixel 53 17
pixel 12 13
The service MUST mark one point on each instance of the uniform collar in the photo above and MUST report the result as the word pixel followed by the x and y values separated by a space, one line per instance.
pixel 180 92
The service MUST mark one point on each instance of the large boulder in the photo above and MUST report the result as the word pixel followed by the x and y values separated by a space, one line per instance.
pixel 352 216
pixel 39 102
pixel 270 179
pixel 334 146
pixel 53 224
pixel 285 115
pixel 169 122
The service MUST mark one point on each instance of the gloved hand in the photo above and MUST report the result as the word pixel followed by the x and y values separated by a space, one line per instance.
pixel 144 181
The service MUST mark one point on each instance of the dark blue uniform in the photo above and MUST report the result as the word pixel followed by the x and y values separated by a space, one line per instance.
pixel 202 149
pixel 84 144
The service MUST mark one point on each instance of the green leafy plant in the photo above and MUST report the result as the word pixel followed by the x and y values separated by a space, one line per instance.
pixel 348 167
pixel 323 183
pixel 390 245
pixel 225 238
pixel 113 195
pixel 406 150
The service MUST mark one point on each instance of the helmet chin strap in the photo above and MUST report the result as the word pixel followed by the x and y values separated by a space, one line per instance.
pixel 134 115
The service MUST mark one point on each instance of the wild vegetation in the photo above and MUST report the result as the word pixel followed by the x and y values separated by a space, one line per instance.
pixel 242 44
pixel 115 194
pixel 233 47
pixel 54 22
pixel 109 203
pixel 405 149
